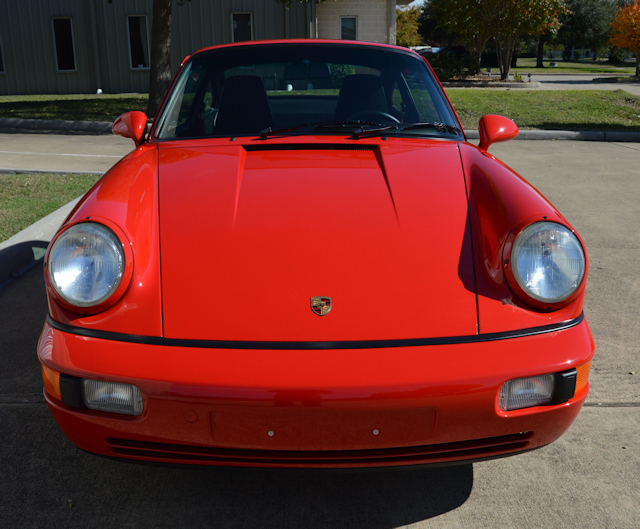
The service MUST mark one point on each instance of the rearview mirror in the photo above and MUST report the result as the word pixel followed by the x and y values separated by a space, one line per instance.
pixel 494 129
pixel 131 125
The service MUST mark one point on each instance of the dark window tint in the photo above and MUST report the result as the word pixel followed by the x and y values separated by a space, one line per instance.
pixel 241 26
pixel 348 28
pixel 138 42
pixel 64 44
pixel 1 63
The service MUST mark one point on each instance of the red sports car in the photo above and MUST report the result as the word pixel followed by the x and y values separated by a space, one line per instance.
pixel 305 264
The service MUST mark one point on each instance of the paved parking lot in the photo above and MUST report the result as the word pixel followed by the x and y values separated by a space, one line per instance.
pixel 589 478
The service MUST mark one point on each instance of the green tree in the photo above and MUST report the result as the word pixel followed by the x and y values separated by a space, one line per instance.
pixel 587 25
pixel 468 20
pixel 407 26
pixel 430 29
pixel 513 18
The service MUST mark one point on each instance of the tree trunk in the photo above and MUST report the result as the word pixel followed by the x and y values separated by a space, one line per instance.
pixel 540 55
pixel 504 49
pixel 638 63
pixel 160 72
pixel 476 45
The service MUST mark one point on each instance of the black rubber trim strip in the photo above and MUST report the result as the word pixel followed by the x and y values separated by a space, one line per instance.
pixel 310 147
pixel 359 344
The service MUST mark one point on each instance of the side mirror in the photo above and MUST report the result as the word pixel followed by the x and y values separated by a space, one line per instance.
pixel 494 129
pixel 131 125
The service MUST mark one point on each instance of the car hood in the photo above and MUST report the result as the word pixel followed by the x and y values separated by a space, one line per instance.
pixel 250 233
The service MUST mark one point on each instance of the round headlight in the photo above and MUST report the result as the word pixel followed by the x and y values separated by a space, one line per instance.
pixel 548 261
pixel 86 264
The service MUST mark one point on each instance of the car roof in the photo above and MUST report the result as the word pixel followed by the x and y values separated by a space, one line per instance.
pixel 333 42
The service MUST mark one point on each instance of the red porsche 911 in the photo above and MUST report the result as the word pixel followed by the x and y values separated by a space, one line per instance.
pixel 305 264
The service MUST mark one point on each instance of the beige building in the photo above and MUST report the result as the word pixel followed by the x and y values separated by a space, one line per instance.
pixel 80 46
pixel 368 20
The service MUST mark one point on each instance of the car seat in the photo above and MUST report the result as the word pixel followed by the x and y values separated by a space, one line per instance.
pixel 244 108
pixel 361 93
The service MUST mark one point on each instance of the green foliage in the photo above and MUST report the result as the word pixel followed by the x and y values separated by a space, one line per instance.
pixel 448 67
pixel 587 24
pixel 338 73
pixel 469 21
pixel 474 22
pixel 407 26
pixel 431 29
pixel 617 55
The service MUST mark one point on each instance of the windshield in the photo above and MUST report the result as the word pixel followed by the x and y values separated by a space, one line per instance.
pixel 246 90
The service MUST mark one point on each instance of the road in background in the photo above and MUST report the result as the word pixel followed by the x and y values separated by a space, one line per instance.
pixel 58 151
pixel 590 478
pixel 582 82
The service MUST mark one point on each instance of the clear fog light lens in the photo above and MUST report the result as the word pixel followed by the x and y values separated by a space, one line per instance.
pixel 526 392
pixel 113 397
pixel 548 261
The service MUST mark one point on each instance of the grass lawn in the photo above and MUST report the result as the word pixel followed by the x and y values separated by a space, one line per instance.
pixel 542 109
pixel 26 198
pixel 526 65
pixel 75 107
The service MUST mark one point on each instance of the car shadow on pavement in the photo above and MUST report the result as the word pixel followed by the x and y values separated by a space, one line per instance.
pixel 55 484
pixel 17 259
pixel 49 482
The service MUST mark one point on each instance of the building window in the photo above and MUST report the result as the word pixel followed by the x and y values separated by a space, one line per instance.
pixel 348 28
pixel 138 42
pixel 65 51
pixel 241 26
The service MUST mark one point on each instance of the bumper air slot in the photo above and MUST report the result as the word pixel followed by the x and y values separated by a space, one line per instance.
pixel 474 449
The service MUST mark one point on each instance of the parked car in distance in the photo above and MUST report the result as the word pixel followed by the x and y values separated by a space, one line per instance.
pixel 305 264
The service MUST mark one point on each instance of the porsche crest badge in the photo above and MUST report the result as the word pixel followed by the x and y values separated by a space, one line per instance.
pixel 321 305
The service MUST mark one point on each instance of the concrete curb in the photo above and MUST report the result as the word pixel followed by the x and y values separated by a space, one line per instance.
pixel 570 135
pixel 15 170
pixel 53 124
pixel 25 249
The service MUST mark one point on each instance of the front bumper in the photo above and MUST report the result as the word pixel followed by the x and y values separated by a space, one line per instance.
pixel 317 408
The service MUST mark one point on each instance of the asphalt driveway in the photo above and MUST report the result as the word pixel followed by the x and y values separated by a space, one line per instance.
pixel 589 478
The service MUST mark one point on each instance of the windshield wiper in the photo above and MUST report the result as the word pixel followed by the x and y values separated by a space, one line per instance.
pixel 358 133
pixel 440 127
pixel 344 123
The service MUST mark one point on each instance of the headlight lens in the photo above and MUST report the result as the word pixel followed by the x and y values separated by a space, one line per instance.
pixel 548 261
pixel 86 264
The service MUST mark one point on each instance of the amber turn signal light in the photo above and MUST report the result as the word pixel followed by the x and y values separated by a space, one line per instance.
pixel 583 376
pixel 51 380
